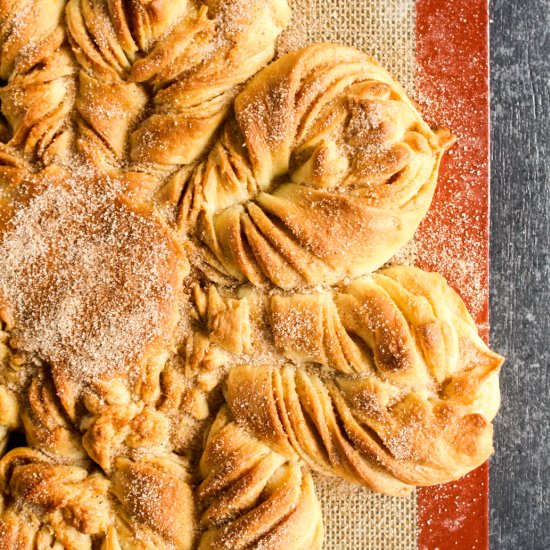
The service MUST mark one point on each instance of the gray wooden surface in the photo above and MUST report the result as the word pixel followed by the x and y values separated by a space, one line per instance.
pixel 520 269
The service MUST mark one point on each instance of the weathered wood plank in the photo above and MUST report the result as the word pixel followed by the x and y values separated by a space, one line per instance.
pixel 520 256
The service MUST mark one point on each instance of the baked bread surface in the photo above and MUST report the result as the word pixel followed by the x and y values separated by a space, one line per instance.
pixel 192 320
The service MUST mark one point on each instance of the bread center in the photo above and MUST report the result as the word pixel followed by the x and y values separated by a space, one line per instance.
pixel 88 281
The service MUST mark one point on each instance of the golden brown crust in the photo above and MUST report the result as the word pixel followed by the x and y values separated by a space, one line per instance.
pixel 252 497
pixel 174 67
pixel 325 171
pixel 145 504
pixel 46 426
pixel 39 97
pixel 156 500
pixel 403 391
pixel 41 497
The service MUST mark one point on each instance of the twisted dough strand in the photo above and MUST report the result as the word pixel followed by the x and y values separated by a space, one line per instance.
pixel 184 61
pixel 39 95
pixel 325 171
pixel 46 427
pixel 145 504
pixel 404 391
pixel 47 502
pixel 252 497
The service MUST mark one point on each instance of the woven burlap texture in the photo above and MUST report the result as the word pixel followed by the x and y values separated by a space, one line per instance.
pixel 355 518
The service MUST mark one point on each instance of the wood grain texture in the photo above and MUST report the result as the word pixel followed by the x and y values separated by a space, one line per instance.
pixel 520 270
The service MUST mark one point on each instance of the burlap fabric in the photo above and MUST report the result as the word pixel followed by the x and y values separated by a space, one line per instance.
pixel 356 519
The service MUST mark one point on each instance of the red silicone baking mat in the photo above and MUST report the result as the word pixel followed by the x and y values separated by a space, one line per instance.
pixel 453 89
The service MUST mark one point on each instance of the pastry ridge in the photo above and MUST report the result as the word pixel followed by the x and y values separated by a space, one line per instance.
pixel 325 171
pixel 391 385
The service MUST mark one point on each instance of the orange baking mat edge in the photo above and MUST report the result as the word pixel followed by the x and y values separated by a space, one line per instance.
pixel 453 89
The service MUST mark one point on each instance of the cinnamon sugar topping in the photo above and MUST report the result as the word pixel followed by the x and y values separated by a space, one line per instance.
pixel 88 280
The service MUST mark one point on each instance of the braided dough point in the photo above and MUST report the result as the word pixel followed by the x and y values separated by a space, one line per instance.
pixel 252 497
pixel 145 504
pixel 325 171
pixel 394 386
pixel 158 78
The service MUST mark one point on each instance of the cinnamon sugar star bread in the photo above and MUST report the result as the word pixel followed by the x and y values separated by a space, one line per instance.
pixel 191 321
